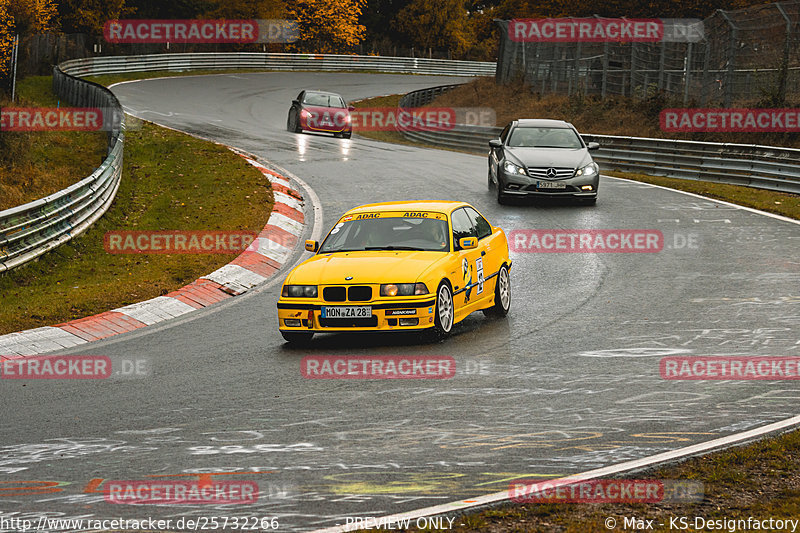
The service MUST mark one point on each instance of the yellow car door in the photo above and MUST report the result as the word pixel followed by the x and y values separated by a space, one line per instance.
pixel 468 288
pixel 492 250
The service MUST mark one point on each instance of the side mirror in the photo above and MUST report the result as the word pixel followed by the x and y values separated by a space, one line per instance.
pixel 468 243
pixel 312 246
pixel 496 143
pixel 351 108
pixel 593 146
pixel 295 102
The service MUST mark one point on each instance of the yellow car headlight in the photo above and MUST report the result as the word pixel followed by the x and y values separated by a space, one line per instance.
pixel 403 289
pixel 299 291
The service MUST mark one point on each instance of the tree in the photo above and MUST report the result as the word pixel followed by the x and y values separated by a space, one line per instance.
pixel 378 16
pixel 245 9
pixel 34 16
pixel 327 26
pixel 437 24
pixel 89 16
pixel 173 9
pixel 23 17
pixel 6 38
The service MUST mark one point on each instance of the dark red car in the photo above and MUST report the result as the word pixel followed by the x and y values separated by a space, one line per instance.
pixel 320 111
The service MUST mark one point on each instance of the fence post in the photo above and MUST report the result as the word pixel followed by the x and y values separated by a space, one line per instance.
pixel 784 69
pixel 576 70
pixel 14 68
pixel 633 70
pixel 555 66
pixel 605 70
pixel 731 71
pixel 705 85
pixel 687 73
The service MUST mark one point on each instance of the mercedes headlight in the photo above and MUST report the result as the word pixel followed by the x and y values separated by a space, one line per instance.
pixel 589 170
pixel 511 168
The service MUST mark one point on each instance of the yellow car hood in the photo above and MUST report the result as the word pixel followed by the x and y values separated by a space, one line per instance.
pixel 365 267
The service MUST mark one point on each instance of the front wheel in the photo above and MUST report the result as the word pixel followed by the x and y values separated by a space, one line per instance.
pixel 297 337
pixel 445 313
pixel 502 295
pixel 490 180
pixel 502 199
pixel 293 123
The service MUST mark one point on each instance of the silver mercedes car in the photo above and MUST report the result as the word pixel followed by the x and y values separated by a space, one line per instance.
pixel 544 158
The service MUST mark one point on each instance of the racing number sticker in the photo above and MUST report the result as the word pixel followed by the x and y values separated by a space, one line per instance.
pixel 479 268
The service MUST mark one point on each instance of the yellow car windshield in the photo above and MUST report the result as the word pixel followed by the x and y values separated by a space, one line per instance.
pixel 388 233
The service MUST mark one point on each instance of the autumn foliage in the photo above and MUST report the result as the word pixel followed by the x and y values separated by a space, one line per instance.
pixel 6 37
pixel 23 17
pixel 328 26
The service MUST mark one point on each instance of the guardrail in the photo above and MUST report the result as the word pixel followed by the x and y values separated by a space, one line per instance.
pixel 762 167
pixel 28 231
pixel 93 66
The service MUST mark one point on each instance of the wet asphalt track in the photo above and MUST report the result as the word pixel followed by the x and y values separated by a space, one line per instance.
pixel 568 382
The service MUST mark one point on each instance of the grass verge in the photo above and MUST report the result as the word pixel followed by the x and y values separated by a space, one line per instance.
pixel 760 480
pixel 170 181
pixel 780 203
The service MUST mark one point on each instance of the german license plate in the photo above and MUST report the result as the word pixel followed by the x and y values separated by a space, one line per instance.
pixel 363 311
pixel 551 185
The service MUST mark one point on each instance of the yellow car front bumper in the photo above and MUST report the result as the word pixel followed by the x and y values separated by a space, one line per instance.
pixel 305 314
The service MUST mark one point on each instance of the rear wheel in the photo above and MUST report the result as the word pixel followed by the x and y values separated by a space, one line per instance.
pixel 297 337
pixel 502 295
pixel 445 313
pixel 347 134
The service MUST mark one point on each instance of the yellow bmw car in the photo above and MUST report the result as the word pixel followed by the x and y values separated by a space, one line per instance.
pixel 398 266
